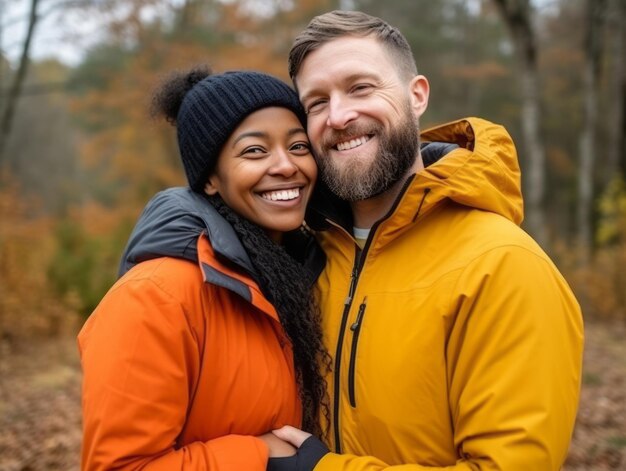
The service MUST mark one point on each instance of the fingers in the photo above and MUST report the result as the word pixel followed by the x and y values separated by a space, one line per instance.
pixel 291 435
pixel 276 447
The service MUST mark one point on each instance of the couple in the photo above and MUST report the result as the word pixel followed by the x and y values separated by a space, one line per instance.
pixel 414 324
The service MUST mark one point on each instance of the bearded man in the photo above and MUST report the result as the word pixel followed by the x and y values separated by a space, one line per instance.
pixel 456 343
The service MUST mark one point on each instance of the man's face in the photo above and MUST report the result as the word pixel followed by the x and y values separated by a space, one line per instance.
pixel 362 117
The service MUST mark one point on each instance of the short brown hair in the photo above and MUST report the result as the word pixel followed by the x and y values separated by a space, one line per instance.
pixel 335 24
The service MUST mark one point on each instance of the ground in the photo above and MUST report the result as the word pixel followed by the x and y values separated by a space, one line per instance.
pixel 599 441
pixel 40 405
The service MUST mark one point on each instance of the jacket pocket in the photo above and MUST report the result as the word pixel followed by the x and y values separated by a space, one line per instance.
pixel 356 329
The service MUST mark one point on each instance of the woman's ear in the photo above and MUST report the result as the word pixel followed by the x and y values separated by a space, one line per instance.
pixel 210 188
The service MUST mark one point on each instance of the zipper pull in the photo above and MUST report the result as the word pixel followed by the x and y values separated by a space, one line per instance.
pixel 359 316
pixel 351 289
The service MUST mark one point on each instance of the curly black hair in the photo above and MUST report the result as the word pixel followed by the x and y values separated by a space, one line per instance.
pixel 284 281
pixel 168 97
pixel 287 285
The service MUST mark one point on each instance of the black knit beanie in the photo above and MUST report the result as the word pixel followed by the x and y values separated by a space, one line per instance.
pixel 215 106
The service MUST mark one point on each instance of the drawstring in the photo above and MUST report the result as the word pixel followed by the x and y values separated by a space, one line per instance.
pixel 426 191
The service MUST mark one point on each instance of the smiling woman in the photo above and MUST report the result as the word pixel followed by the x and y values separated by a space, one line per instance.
pixel 266 171
pixel 210 339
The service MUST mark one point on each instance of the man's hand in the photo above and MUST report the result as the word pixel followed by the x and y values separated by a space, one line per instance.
pixel 277 447
pixel 291 435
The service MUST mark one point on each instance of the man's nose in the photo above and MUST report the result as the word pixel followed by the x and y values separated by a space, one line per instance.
pixel 340 113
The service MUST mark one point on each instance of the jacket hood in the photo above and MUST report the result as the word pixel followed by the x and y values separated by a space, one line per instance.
pixel 482 173
pixel 470 161
pixel 173 221
pixel 170 226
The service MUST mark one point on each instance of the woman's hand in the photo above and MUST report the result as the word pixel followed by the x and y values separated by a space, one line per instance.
pixel 310 451
pixel 277 448
pixel 291 435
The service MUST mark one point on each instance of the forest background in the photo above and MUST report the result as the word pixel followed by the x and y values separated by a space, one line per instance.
pixel 80 156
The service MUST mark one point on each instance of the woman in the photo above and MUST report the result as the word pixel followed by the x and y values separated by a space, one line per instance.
pixel 210 339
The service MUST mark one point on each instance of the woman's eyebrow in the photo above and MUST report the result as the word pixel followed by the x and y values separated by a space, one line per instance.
pixel 259 134
pixel 294 131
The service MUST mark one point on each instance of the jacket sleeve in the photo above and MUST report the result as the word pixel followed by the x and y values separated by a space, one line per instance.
pixel 140 362
pixel 514 367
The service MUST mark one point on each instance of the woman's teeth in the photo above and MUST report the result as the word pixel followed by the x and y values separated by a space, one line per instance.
pixel 281 195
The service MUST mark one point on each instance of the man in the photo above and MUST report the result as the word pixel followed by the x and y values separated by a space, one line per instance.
pixel 456 343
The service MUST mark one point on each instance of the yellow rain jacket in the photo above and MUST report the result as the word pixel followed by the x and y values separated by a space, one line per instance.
pixel 456 342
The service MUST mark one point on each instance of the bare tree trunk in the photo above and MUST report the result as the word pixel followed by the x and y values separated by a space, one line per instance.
pixel 595 14
pixel 346 4
pixel 14 93
pixel 1 48
pixel 534 193
pixel 517 15
pixel 616 153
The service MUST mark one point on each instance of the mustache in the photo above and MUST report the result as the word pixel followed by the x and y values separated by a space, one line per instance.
pixel 334 136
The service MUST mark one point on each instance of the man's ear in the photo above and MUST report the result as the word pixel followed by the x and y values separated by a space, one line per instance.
pixel 419 90
pixel 210 188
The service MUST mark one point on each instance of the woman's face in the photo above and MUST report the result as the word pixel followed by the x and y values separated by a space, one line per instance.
pixel 265 171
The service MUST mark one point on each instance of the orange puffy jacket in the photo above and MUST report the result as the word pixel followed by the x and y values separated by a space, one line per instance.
pixel 184 363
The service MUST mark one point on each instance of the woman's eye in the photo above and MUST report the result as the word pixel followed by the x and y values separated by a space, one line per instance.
pixel 300 148
pixel 253 151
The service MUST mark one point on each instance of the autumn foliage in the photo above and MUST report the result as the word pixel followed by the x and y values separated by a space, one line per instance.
pixel 57 260
pixel 28 303
pixel 601 285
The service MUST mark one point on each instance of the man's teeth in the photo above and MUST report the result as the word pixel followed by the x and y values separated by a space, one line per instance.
pixel 282 195
pixel 351 144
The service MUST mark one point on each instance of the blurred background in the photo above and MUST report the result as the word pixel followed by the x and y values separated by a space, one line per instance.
pixel 80 156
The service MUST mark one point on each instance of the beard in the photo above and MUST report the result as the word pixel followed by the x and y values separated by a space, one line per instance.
pixel 355 180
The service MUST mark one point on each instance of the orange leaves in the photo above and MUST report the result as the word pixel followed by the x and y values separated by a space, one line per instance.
pixel 125 152
pixel 126 156
pixel 485 71
pixel 27 305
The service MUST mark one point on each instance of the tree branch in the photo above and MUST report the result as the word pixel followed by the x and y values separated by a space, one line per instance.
pixel 14 93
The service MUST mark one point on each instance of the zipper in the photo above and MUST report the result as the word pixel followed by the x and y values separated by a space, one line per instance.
pixel 359 261
pixel 355 328
pixel 344 320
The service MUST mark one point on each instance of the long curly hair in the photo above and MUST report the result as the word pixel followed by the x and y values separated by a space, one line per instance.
pixel 285 281
pixel 287 285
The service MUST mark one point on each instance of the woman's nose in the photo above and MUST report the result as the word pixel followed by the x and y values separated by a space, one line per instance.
pixel 283 164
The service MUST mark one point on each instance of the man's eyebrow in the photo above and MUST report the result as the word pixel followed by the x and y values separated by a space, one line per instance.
pixel 348 79
pixel 308 95
pixel 362 75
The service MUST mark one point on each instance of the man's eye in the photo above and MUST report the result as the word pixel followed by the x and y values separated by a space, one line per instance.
pixel 316 106
pixel 361 87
